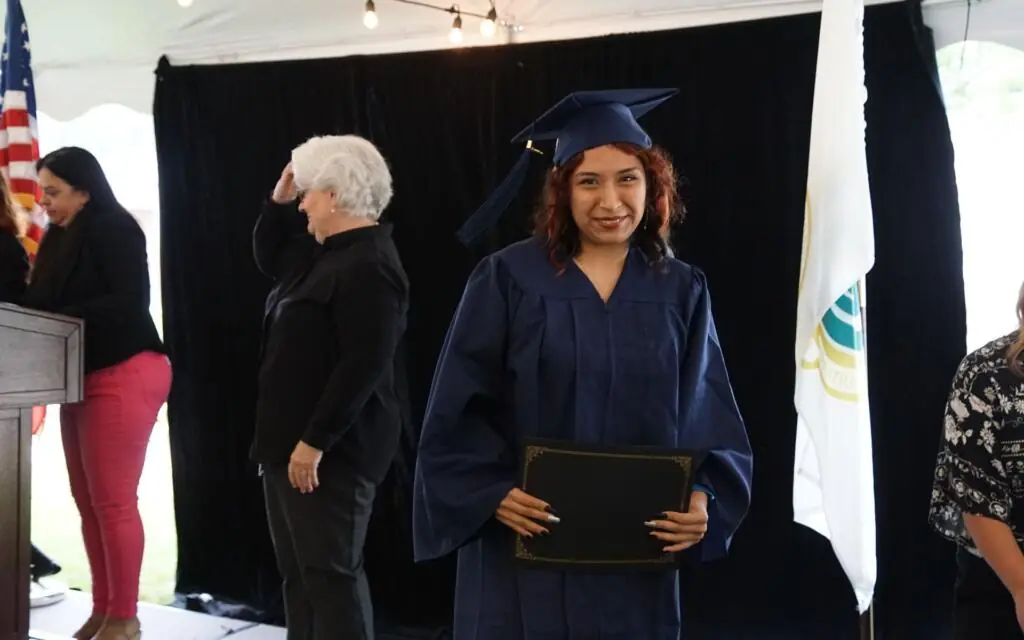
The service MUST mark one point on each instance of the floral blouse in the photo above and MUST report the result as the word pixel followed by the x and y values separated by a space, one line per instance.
pixel 980 468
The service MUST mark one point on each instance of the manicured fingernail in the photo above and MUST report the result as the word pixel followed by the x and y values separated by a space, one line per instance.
pixel 651 523
pixel 554 518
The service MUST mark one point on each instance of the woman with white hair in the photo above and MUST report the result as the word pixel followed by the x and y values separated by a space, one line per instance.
pixel 327 414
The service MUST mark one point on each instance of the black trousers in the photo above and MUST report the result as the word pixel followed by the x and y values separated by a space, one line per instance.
pixel 318 540
pixel 983 609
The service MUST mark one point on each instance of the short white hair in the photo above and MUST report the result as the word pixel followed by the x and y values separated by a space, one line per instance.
pixel 350 167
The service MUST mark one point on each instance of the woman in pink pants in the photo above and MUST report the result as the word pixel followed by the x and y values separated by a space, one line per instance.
pixel 92 265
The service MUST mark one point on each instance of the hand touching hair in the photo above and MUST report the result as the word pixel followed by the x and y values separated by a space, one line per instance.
pixel 348 166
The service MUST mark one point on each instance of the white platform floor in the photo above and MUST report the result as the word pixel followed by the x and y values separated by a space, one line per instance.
pixel 58 621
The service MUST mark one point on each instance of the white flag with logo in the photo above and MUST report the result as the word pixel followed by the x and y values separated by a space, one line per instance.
pixel 833 490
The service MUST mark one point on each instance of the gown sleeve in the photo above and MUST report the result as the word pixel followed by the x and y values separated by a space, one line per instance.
pixel 465 465
pixel 710 421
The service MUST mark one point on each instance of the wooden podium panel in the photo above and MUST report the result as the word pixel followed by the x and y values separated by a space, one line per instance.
pixel 40 364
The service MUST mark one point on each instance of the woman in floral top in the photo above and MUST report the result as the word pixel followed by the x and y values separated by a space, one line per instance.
pixel 978 496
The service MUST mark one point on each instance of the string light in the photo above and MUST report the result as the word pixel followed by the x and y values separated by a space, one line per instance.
pixel 489 22
pixel 487 27
pixel 455 35
pixel 370 15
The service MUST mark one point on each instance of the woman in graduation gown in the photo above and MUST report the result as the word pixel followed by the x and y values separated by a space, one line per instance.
pixel 588 333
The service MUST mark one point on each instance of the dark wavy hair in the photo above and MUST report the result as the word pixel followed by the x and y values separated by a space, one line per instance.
pixel 553 220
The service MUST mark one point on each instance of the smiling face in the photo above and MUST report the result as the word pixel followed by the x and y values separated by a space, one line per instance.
pixel 608 196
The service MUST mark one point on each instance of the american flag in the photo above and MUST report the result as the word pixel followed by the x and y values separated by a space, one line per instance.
pixel 19 135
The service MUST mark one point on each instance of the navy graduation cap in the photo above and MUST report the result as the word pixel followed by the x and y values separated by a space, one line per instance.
pixel 580 121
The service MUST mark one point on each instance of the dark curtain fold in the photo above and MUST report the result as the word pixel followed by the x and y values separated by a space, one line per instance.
pixel 739 132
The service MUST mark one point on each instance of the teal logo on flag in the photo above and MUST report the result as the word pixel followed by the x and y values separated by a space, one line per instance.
pixel 839 356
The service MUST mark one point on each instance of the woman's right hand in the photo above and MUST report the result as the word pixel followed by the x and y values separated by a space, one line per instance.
pixel 284 191
pixel 519 511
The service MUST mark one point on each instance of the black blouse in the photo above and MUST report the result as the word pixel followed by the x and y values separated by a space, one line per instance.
pixel 13 268
pixel 980 467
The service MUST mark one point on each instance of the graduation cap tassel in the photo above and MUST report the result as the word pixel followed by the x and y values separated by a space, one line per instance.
pixel 486 216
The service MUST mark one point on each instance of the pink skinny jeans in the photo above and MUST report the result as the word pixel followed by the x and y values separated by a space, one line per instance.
pixel 105 440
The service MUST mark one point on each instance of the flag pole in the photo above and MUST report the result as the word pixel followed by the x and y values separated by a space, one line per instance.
pixel 867 619
pixel 867 623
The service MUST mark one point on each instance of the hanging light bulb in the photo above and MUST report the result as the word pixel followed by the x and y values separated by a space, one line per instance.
pixel 487 27
pixel 455 35
pixel 185 3
pixel 370 15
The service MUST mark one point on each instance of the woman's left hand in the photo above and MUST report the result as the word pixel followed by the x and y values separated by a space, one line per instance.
pixel 683 530
pixel 302 467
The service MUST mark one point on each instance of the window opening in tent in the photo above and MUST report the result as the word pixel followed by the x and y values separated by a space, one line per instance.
pixel 983 86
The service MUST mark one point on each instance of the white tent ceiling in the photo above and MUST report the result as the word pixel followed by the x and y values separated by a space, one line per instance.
pixel 90 52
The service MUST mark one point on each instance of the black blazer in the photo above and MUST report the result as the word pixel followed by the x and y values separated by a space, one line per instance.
pixel 96 269
pixel 13 268
pixel 334 322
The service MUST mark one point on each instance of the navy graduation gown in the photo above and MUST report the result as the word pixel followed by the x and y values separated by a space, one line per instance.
pixel 535 352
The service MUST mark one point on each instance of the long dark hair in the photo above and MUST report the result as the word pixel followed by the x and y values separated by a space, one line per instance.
pixel 82 171
pixel 553 219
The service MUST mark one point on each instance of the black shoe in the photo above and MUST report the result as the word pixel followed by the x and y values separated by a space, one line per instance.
pixel 42 566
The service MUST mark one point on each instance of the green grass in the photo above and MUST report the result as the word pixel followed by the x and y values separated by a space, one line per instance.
pixel 56 528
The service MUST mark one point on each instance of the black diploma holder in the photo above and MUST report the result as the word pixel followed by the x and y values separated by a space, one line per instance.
pixel 603 495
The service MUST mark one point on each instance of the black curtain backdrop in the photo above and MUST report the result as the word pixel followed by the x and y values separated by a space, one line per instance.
pixel 739 132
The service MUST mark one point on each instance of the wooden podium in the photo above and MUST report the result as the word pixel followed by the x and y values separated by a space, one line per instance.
pixel 40 364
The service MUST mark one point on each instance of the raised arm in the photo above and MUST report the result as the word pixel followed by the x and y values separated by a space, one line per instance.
pixel 280 240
